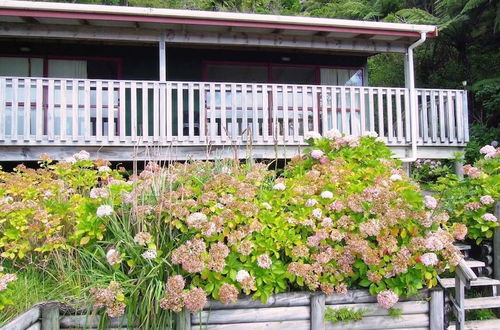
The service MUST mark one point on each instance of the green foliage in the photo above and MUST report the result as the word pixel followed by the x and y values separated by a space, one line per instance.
pixel 395 312
pixel 427 171
pixel 469 200
pixel 480 136
pixel 345 314
pixel 487 91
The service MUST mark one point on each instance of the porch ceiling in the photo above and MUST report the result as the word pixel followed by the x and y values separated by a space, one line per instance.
pixel 58 20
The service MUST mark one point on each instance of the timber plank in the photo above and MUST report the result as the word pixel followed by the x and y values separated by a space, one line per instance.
pixel 288 325
pixel 372 309
pixel 377 322
pixel 24 320
pixel 251 315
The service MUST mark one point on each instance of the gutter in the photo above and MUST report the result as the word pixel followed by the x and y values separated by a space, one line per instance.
pixel 413 97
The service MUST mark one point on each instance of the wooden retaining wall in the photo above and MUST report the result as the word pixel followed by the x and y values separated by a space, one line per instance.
pixel 290 311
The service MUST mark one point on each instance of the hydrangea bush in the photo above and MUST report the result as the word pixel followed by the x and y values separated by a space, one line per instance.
pixel 470 201
pixel 341 216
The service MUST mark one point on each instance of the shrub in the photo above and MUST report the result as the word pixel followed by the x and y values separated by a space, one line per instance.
pixel 470 201
pixel 341 216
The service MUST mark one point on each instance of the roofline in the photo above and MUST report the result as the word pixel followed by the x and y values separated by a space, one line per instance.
pixel 196 17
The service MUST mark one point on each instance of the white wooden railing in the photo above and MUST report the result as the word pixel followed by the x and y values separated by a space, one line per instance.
pixel 38 111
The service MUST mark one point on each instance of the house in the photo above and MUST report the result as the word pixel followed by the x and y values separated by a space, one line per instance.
pixel 127 83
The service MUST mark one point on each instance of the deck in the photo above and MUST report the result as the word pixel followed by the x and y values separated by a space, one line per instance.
pixel 124 120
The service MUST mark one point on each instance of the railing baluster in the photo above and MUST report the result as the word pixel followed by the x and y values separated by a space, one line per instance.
pixel 39 122
pixel 169 122
pixel 191 111
pixel 3 101
pixel 98 111
pixel 111 111
pixel 274 116
pixel 14 112
pixel 407 115
pixel 213 109
pixel 202 113
pixel 286 121
pixel 305 111
pixel 315 108
pixel 434 116
pixel 27 109
pixel 362 113
pixel 324 110
pixel 371 110
pixel 145 111
pixel 466 116
pixel 223 121
pixel 390 129
pixel 380 105
pixel 234 116
pixel 158 123
pixel 265 114
pixel 442 120
pixel 425 117
pixel 63 118
pixel 122 116
pixel 343 106
pixel 459 116
pixel 244 108
pixel 160 112
pixel 74 109
pixel 295 97
pixel 50 111
pixel 334 108
pixel 451 119
pixel 354 113
pixel 256 116
pixel 399 117
pixel 86 105
pixel 133 111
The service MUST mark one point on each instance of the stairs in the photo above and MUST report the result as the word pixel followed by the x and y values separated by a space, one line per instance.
pixel 465 303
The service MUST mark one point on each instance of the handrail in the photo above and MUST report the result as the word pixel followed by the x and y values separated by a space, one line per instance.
pixel 463 276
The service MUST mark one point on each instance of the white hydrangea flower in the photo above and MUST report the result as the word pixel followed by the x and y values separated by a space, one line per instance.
pixel 267 206
pixel 149 254
pixel 82 155
pixel 104 210
pixel 311 202
pixel 396 177
pixel 317 213
pixel 104 169
pixel 429 259
pixel 279 186
pixel 333 134
pixel 317 154
pixel 312 135
pixel 242 275
pixel 327 194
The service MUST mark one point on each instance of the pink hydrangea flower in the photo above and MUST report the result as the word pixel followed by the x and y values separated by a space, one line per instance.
pixel 312 135
pixel 429 259
pixel 430 202
pixel 487 200
pixel 333 134
pixel 279 186
pixel 489 217
pixel 387 299
pixel 264 261
pixel 327 194
pixel 317 154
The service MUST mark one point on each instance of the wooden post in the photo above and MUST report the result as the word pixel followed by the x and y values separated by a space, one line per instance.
pixel 458 168
pixel 436 309
pixel 318 312
pixel 183 320
pixel 496 253
pixel 50 316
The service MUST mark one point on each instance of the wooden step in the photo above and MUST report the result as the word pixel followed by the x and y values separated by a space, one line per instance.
pixel 481 281
pixel 472 263
pixel 480 325
pixel 462 247
pixel 483 302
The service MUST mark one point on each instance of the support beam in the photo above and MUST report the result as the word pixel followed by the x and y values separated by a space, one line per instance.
pixel 162 57
pixel 201 38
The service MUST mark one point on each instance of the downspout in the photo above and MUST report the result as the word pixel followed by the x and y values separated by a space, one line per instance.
pixel 413 97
